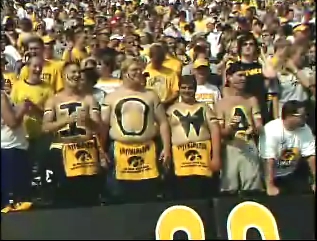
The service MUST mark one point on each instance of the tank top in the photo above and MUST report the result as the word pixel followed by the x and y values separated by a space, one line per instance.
pixel 13 138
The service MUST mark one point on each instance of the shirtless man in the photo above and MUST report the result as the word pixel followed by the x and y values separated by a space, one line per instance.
pixel 195 142
pixel 240 120
pixel 73 116
pixel 133 116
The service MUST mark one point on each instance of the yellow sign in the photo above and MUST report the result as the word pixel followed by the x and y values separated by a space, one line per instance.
pixel 179 218
pixel 242 217
pixel 248 215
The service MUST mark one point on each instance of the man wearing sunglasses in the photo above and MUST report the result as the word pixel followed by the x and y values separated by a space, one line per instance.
pixel 255 73
pixel 285 145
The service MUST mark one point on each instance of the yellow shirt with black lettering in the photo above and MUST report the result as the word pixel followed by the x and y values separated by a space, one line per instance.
pixel 50 74
pixel 38 94
pixel 10 78
pixel 77 55
pixel 164 81
pixel 173 63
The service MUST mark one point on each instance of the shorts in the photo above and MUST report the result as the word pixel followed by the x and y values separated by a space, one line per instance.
pixel 241 169
pixel 16 176
pixel 139 191
pixel 67 191
pixel 195 187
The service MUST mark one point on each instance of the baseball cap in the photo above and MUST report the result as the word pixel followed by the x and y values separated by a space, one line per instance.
pixel 200 63
pixel 233 68
pixel 116 36
pixel 47 39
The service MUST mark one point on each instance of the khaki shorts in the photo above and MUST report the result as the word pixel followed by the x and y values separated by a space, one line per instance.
pixel 241 168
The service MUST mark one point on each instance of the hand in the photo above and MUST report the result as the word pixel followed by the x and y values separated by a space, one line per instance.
pixel 249 131
pixel 215 164
pixel 227 57
pixel 70 46
pixel 104 159
pixel 23 107
pixel 165 157
pixel 84 118
pixel 73 117
pixel 235 121
pixel 272 190
pixel 269 72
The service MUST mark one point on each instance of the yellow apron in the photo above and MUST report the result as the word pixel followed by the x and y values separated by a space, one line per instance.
pixel 192 159
pixel 135 162
pixel 81 159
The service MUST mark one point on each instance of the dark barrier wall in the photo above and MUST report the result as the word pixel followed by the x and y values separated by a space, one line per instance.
pixel 223 218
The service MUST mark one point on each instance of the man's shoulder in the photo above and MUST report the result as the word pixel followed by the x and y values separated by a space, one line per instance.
pixel 274 126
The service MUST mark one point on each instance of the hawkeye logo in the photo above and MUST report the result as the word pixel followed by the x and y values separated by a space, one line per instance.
pixel 83 155
pixel 135 161
pixel 193 155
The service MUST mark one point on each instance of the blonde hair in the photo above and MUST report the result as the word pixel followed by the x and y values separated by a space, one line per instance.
pixel 128 62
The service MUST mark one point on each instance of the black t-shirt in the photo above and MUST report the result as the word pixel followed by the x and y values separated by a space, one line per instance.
pixel 255 84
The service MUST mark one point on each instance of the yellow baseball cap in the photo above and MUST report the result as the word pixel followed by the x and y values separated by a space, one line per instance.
pixel 200 63
pixel 299 28
pixel 47 39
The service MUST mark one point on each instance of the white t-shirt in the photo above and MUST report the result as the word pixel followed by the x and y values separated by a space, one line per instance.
pixel 286 147
pixel 49 22
pixel 13 52
pixel 13 138
pixel 108 87
pixel 208 94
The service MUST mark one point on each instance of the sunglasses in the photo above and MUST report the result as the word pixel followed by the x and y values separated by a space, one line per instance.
pixel 300 115
pixel 248 44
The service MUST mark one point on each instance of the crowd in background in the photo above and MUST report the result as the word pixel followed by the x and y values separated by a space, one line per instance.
pixel 198 97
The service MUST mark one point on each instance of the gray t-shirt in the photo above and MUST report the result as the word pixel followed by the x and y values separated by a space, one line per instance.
pixel 188 69
pixel 290 89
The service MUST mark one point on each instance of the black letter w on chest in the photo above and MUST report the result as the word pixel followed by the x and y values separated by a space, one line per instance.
pixel 196 120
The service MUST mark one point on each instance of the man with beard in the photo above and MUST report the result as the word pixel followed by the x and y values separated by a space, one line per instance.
pixel 73 164
pixel 134 117
pixel 240 119
pixel 195 143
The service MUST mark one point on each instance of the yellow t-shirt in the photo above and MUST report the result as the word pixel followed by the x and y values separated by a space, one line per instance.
pixel 200 26
pixel 10 78
pixel 173 63
pixel 51 74
pixel 38 94
pixel 182 27
pixel 77 55
pixel 164 81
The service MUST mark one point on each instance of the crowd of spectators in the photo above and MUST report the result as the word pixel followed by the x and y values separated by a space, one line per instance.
pixel 155 99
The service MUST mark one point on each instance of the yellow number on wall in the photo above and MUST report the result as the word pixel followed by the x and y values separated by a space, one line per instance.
pixel 179 218
pixel 251 215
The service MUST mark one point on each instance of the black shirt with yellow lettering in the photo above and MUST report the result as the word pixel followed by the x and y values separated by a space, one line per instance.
pixel 255 84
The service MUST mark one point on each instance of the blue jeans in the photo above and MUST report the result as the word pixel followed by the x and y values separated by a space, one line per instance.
pixel 16 175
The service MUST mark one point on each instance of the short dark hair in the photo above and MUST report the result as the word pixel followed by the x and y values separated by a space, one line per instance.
pixel 108 60
pixel 70 63
pixel 244 38
pixel 188 80
pixel 35 39
pixel 291 107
